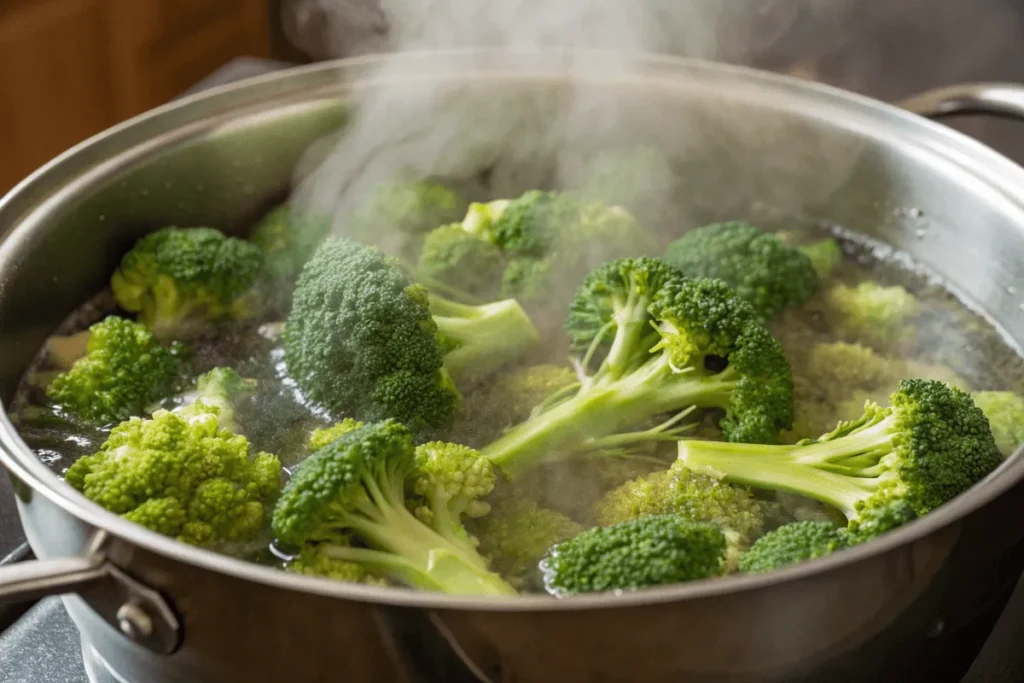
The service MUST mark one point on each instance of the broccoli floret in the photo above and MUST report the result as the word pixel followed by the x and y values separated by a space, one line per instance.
pixel 325 435
pixel 398 212
pixel 791 544
pixel 184 477
pixel 461 260
pixel 224 389
pixel 353 491
pixel 882 317
pixel 517 533
pixel 124 370
pixel 763 269
pixel 882 470
pixel 676 344
pixel 649 551
pixel 1005 413
pixel 287 240
pixel 689 495
pixel 361 339
pixel 824 254
pixel 526 247
pixel 451 479
pixel 179 280
pixel 314 561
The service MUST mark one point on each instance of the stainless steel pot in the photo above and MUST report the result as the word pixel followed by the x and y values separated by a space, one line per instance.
pixel 908 607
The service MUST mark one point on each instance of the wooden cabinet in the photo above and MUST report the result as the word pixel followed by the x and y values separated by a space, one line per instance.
pixel 71 68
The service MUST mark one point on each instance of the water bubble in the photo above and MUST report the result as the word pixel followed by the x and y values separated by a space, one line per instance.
pixel 920 233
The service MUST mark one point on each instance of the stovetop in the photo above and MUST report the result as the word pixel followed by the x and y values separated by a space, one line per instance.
pixel 42 645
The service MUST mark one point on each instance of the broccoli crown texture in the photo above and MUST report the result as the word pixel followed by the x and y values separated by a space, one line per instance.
pixel 1005 413
pixel 670 337
pixel 688 495
pixel 791 544
pixel 824 254
pixel 178 277
pixel 287 240
pixel 124 370
pixel 182 477
pixel 353 490
pixel 462 260
pixel 881 470
pixel 763 269
pixel 451 479
pixel 649 551
pixel 360 340
pixel 325 435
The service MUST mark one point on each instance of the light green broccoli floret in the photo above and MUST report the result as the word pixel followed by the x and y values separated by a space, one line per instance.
pixel 825 255
pixel 452 479
pixel 517 533
pixel 325 435
pixel 314 560
pixel 644 552
pixel 179 280
pixel 287 240
pixel 1005 413
pixel 871 313
pixel 184 477
pixel 223 388
pixel 791 544
pixel 124 370
pixel 689 495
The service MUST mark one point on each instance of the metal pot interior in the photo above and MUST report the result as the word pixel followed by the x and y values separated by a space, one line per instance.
pixel 745 144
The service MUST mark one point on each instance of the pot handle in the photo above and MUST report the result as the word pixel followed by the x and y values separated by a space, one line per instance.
pixel 1005 100
pixel 138 612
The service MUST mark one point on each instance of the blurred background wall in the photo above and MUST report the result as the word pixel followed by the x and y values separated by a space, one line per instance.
pixel 71 68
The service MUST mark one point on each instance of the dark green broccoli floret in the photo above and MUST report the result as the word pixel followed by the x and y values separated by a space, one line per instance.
pixel 124 370
pixel 763 269
pixel 287 240
pixel 689 495
pixel 362 339
pixel 182 476
pixel 178 279
pixel 874 314
pixel 353 491
pixel 670 345
pixel 1005 413
pixel 791 544
pixel 650 551
pixel 517 533
pixel 882 470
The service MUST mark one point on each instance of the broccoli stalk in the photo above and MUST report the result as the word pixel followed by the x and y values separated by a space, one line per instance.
pixel 668 332
pixel 353 491
pixel 482 338
pixel 888 467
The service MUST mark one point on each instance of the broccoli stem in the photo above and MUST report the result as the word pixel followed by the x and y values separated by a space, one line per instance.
pixel 407 548
pixel 485 337
pixel 839 472
pixel 604 406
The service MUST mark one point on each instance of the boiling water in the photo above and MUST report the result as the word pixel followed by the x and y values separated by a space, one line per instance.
pixel 951 339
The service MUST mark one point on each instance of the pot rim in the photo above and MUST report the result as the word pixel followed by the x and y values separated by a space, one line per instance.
pixel 995 169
